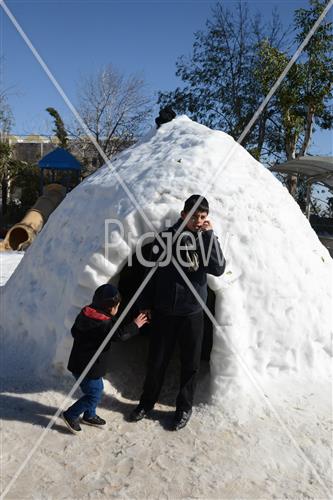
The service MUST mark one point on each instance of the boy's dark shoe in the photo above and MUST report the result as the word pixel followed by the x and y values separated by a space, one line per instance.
pixel 138 413
pixel 181 419
pixel 73 425
pixel 95 420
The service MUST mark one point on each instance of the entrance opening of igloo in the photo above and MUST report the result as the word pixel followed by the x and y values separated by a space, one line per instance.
pixel 129 358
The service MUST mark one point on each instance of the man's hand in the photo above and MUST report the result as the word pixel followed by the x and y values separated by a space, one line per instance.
pixel 206 226
pixel 141 320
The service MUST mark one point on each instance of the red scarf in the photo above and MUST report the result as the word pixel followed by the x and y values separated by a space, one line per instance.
pixel 92 313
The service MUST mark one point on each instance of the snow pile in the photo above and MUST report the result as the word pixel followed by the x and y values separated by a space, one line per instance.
pixel 8 263
pixel 273 302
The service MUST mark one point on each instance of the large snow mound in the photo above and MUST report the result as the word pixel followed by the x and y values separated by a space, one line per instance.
pixel 273 303
pixel 9 260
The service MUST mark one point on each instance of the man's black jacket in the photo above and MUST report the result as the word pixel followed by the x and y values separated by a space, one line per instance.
pixel 89 330
pixel 167 292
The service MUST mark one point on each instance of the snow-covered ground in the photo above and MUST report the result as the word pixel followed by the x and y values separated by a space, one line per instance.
pixel 214 457
pixel 268 433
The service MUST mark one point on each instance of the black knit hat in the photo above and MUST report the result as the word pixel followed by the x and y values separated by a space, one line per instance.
pixel 166 115
pixel 106 295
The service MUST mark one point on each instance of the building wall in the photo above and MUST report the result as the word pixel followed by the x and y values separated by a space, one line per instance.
pixel 32 152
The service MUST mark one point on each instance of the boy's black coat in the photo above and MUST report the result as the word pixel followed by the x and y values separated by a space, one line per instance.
pixel 89 330
pixel 167 291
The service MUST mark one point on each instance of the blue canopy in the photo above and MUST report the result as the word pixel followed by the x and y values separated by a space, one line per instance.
pixel 59 159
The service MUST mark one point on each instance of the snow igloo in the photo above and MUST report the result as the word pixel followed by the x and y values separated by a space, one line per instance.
pixel 272 304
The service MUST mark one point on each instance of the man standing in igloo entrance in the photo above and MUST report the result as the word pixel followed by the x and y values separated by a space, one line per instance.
pixel 176 314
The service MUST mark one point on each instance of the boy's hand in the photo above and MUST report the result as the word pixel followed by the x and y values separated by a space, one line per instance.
pixel 207 226
pixel 147 312
pixel 141 320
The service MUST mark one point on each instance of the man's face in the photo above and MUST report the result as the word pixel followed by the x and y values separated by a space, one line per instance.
pixel 195 222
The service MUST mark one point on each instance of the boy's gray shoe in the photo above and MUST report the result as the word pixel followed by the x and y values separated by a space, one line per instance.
pixel 72 425
pixel 96 421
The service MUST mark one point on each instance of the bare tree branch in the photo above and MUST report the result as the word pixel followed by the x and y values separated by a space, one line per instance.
pixel 115 109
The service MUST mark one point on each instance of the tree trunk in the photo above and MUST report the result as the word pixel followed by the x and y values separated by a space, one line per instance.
pixel 291 154
pixel 262 133
pixel 308 132
pixel 4 195
pixel 292 185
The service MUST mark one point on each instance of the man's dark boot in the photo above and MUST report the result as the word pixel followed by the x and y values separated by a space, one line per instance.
pixel 138 413
pixel 181 419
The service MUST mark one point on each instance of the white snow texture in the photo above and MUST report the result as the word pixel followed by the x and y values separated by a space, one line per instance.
pixel 273 303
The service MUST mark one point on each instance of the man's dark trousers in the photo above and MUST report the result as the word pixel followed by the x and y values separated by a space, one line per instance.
pixel 166 330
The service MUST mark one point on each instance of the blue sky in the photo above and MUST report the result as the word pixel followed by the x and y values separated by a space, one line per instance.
pixel 77 37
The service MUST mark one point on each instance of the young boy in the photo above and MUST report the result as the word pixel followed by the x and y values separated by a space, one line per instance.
pixel 176 314
pixel 90 328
